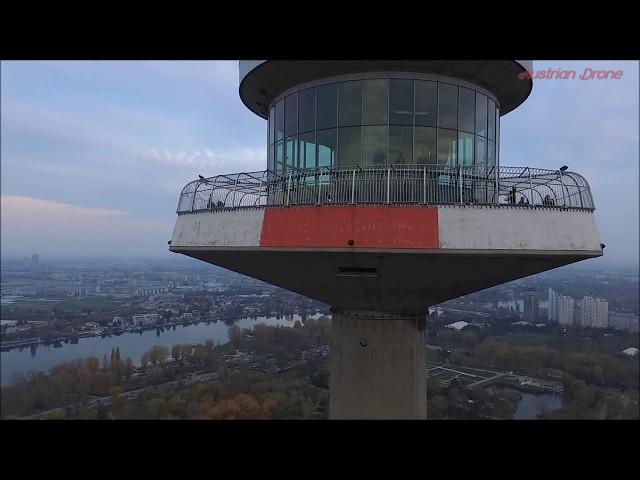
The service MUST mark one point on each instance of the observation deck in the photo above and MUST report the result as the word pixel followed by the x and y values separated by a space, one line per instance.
pixel 395 238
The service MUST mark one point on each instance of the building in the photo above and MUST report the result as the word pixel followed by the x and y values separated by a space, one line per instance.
pixel 593 312
pixel 602 314
pixel 562 309
pixel 566 310
pixel 384 193
pixel 531 307
pixel 630 352
pixel 145 320
pixel 457 325
pixel 552 312
pixel 622 321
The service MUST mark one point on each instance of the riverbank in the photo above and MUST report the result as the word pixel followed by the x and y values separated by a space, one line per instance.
pixel 131 344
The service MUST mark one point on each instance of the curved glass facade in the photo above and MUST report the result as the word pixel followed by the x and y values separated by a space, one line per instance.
pixel 383 121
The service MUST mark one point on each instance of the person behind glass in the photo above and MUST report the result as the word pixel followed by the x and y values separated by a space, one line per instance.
pixel 523 201
pixel 548 201
pixel 512 196
pixel 379 158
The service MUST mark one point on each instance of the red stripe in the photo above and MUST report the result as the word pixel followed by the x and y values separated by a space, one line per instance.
pixel 368 227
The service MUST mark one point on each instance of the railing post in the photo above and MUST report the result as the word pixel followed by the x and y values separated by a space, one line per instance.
pixel 235 188
pixel 353 187
pixel 288 187
pixel 193 200
pixel 460 181
pixel 564 203
pixel 496 170
pixel 388 182
pixel 424 184
pixel 530 185
pixel 319 180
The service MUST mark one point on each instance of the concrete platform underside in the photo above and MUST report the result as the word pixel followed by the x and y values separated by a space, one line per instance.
pixel 405 282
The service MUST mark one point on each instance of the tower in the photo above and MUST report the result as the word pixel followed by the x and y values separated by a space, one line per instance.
pixel 531 307
pixel 384 194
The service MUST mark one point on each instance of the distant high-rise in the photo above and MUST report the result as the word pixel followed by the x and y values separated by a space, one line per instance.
pixel 602 313
pixel 565 310
pixel 594 312
pixel 561 309
pixel 552 315
pixel 531 307
pixel 35 259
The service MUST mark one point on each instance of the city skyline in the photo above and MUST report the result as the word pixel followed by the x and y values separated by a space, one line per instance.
pixel 95 152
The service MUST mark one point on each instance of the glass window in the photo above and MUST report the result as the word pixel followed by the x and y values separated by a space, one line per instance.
pixel 400 144
pixel 447 106
pixel 465 148
pixel 401 102
pixel 272 118
pixel 497 135
pixel 374 145
pixel 491 126
pixel 447 140
pixel 327 104
pixel 349 145
pixel 481 151
pixel 290 151
pixel 307 150
pixel 307 110
pixel 327 141
pixel 425 145
pixel 491 153
pixel 279 157
pixel 279 120
pixel 375 102
pixel 270 163
pixel 481 115
pixel 291 115
pixel 466 117
pixel 426 103
pixel 350 103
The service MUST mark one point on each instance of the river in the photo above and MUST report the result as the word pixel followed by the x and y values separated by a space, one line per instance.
pixel 131 344
pixel 530 405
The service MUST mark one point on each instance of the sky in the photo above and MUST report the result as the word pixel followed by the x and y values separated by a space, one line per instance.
pixel 94 153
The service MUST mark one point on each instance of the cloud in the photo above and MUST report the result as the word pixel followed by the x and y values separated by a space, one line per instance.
pixel 35 225
pixel 242 159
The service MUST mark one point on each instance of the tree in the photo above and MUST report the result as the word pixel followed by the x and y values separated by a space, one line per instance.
pixel 93 364
pixel 158 354
pixel 176 352
pixel 177 407
pixel 117 354
pixel 144 360
pixel 437 407
pixel 128 368
pixel 241 406
pixel 433 387
pixel 117 399
pixel 235 334
pixel 57 414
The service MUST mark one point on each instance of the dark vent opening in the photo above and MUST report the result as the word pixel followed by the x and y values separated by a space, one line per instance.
pixel 357 272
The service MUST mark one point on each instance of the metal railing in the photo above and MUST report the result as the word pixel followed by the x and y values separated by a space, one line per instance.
pixel 390 184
